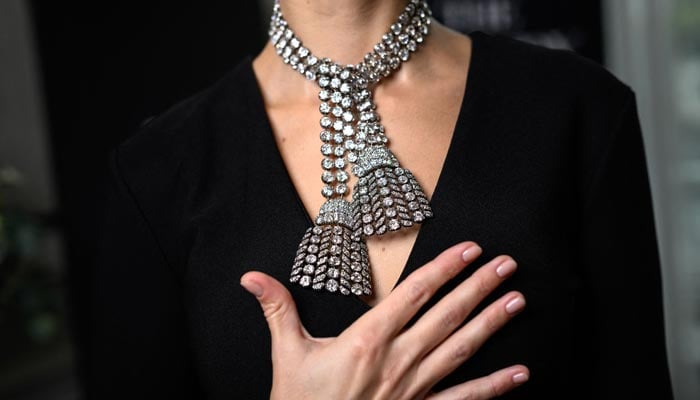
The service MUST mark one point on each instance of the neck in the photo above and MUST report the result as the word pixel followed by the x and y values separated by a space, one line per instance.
pixel 342 30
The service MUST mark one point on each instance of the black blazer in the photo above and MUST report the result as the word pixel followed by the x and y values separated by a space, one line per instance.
pixel 546 164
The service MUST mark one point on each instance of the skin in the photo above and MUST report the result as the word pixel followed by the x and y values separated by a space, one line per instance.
pixel 419 105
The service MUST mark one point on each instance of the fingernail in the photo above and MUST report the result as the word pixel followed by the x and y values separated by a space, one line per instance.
pixel 252 287
pixel 506 268
pixel 515 305
pixel 520 377
pixel 471 252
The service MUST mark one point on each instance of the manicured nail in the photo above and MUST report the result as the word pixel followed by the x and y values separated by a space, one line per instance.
pixel 520 377
pixel 471 252
pixel 515 305
pixel 506 268
pixel 252 287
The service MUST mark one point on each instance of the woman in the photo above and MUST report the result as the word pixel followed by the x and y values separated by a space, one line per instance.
pixel 531 159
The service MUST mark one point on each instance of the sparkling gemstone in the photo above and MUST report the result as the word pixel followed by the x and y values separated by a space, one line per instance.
pixel 311 60
pixel 325 136
pixel 310 75
pixel 326 122
pixel 305 280
pixel 402 179
pixel 339 151
pixel 323 68
pixel 323 81
pixel 310 259
pixel 338 138
pixel 418 216
pixel 367 218
pixel 357 170
pixel 338 125
pixel 368 230
pixel 324 108
pixel 407 187
pixel 333 273
pixel 336 97
pixel 388 202
pixel 352 157
pixel 327 191
pixel 337 111
pixel 312 248
pixel 356 289
pixel 394 224
pixel 337 240
pixel 345 87
pixel 339 163
pixel 303 52
pixel 287 52
pixel 323 95
pixel 294 42
pixel 309 269
pixel 327 163
pixel 347 116
pixel 341 176
pixel 390 212
pixel 382 181
pixel 332 285
pixel 379 173
pixel 341 189
pixel 346 102
pixel 348 130
pixel 334 261
pixel 413 206
pixel 327 177
pixel 326 149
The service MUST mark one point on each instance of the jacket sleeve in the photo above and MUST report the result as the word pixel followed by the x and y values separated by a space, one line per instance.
pixel 623 328
pixel 139 342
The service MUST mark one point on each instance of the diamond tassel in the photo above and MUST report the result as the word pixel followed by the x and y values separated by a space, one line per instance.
pixel 332 256
pixel 388 195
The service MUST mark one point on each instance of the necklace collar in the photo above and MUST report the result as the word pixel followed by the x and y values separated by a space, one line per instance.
pixel 332 255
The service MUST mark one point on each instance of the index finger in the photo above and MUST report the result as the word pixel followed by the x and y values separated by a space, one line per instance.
pixel 388 317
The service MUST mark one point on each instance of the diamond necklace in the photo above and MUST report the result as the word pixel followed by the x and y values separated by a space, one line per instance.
pixel 332 255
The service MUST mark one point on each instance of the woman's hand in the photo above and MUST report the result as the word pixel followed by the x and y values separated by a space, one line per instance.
pixel 375 357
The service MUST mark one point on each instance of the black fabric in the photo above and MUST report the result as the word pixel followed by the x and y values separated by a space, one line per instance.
pixel 546 164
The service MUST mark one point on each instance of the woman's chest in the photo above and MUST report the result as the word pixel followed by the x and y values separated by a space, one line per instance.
pixel 419 136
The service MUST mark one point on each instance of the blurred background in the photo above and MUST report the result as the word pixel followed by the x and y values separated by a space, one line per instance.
pixel 76 78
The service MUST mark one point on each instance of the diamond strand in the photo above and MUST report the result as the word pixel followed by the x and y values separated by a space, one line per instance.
pixel 332 255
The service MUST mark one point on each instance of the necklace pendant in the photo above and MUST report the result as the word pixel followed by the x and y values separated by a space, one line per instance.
pixel 332 255
pixel 388 195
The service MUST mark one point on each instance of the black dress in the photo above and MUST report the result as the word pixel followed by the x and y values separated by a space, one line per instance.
pixel 546 164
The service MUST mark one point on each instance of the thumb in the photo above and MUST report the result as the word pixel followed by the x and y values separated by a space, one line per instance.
pixel 277 305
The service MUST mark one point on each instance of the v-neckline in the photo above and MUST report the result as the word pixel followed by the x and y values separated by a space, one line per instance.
pixel 470 89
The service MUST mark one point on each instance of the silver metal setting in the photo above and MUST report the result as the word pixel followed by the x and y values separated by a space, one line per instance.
pixel 332 255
